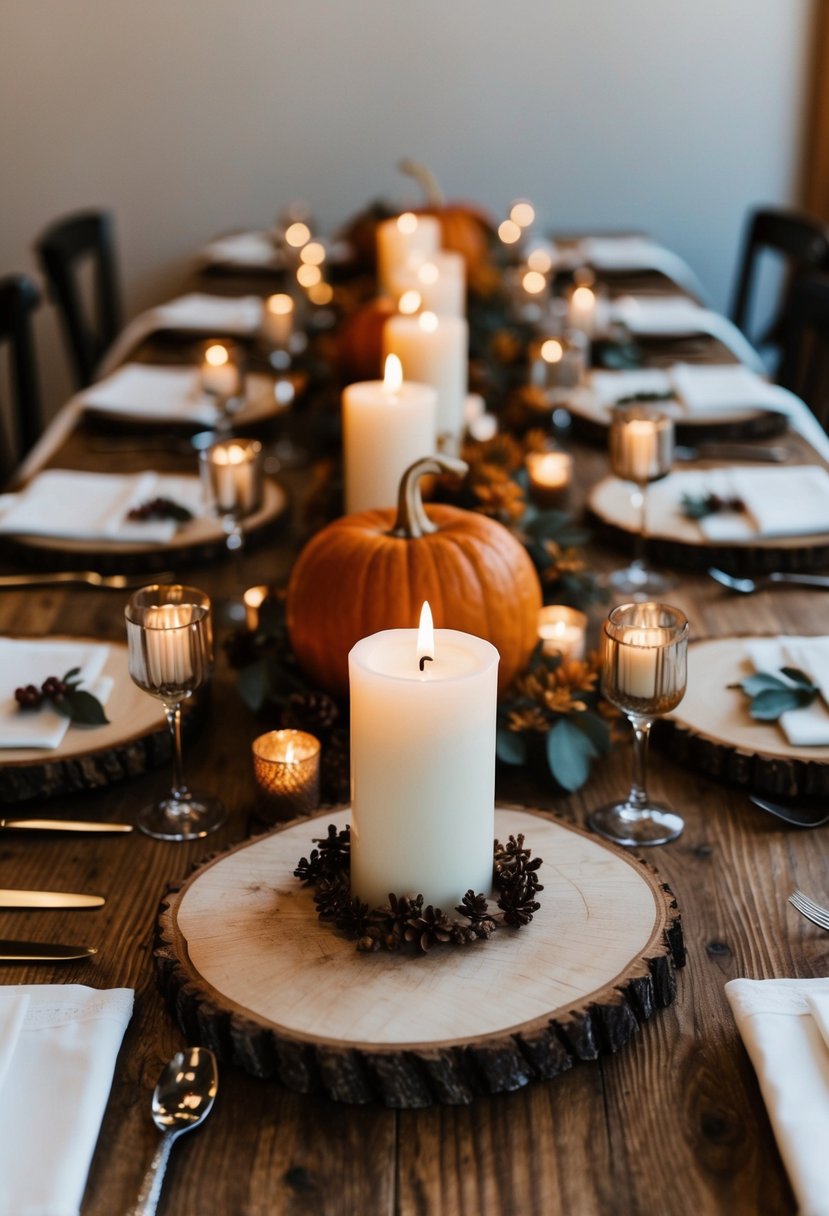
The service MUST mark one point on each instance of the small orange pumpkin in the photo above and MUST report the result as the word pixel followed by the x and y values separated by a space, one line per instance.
pixel 465 228
pixel 373 570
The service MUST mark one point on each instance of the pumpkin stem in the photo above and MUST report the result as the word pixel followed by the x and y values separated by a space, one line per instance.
pixel 425 178
pixel 412 520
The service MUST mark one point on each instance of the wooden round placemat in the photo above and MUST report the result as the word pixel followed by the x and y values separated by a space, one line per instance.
pixel 199 540
pixel 674 540
pixel 711 729
pixel 135 739
pixel 250 971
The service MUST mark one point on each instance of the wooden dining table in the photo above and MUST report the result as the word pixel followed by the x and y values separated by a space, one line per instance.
pixel 672 1122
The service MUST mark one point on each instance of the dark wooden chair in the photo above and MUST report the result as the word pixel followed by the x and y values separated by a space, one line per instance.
pixel 89 324
pixel 19 297
pixel 804 366
pixel 800 242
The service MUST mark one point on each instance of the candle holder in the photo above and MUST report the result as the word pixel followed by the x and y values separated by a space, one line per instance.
pixel 550 474
pixel 170 651
pixel 221 379
pixel 558 365
pixel 644 672
pixel 259 603
pixel 562 630
pixel 232 475
pixel 641 451
pixel 286 765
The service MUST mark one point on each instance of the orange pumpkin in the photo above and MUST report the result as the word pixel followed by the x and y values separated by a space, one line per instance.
pixel 359 346
pixel 465 228
pixel 372 571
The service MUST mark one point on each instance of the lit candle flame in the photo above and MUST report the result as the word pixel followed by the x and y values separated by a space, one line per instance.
pixel 280 304
pixel 392 375
pixel 552 351
pixel 216 355
pixel 522 213
pixel 534 282
pixel 297 235
pixel 425 637
pixel 583 297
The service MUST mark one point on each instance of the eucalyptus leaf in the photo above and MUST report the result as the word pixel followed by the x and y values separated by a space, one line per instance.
pixel 569 753
pixel 769 704
pixel 799 677
pixel 510 746
pixel 595 729
pixel 760 682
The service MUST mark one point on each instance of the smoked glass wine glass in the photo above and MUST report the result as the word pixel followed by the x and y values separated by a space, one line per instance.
pixel 644 673
pixel 170 652
pixel 641 451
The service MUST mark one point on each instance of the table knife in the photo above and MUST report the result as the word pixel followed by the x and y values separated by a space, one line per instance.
pixel 60 825
pixel 41 952
pixel 48 899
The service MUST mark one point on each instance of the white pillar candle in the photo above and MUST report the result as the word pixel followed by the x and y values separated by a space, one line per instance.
pixel 278 319
pixel 439 281
pixel 562 630
pixel 434 350
pixel 167 648
pixel 581 310
pixel 641 444
pixel 232 475
pixel 422 766
pixel 219 372
pixel 399 239
pixel 387 425
pixel 638 660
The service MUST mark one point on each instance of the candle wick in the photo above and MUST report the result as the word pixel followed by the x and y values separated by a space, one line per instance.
pixel 426 658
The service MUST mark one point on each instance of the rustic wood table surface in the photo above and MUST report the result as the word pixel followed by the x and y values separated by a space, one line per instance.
pixel 673 1122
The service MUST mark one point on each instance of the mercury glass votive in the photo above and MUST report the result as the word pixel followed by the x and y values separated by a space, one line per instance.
pixel 562 630
pixel 286 765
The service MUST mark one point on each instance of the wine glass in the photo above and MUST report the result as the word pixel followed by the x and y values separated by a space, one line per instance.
pixel 232 474
pixel 221 379
pixel 641 451
pixel 170 653
pixel 644 672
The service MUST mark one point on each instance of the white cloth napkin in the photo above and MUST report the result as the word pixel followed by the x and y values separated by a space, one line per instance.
pixel 792 501
pixel 710 389
pixel 631 253
pixel 784 1025
pixel 808 726
pixel 677 317
pixel 58 1047
pixel 94 506
pixel 609 387
pixel 244 249
pixel 141 391
pixel 31 661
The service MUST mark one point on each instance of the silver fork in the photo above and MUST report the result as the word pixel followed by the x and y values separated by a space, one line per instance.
pixel 88 578
pixel 807 907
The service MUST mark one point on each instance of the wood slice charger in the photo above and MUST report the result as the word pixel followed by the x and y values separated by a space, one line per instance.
pixel 136 738
pixel 249 970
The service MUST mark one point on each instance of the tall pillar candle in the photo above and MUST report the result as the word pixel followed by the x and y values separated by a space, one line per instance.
pixel 434 350
pixel 439 281
pixel 387 425
pixel 422 766
pixel 399 239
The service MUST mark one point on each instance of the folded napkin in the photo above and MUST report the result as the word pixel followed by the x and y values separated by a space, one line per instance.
pixel 632 253
pixel 163 394
pixel 58 1047
pixel 610 387
pixel 710 389
pixel 31 661
pixel 94 506
pixel 791 501
pixel 808 726
pixel 784 1025
pixel 244 249
pixel 678 317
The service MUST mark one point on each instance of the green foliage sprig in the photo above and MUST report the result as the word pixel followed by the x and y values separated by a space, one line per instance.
pixel 770 696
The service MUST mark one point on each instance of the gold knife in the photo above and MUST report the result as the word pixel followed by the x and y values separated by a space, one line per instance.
pixel 42 952
pixel 48 899
pixel 61 825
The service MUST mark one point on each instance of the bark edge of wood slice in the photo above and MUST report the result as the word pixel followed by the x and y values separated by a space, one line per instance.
pixel 266 985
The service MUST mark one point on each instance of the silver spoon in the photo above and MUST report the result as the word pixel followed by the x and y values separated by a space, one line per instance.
pixel 182 1099
pixel 747 586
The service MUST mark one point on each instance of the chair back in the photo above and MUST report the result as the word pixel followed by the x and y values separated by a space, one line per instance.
pixel 19 297
pixel 89 326
pixel 804 367
pixel 803 245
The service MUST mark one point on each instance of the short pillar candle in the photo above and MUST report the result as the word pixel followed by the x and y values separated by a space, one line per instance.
pixel 399 239
pixel 434 350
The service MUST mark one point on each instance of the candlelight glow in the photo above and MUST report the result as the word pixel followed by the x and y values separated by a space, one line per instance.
pixel 321 293
pixel 280 305
pixel 313 253
pixel 409 302
pixel 552 351
pixel 392 374
pixel 407 222
pixel 216 355
pixel 509 232
pixel 308 276
pixel 428 273
pixel 583 297
pixel 297 235
pixel 522 213
pixel 540 259
pixel 534 282
pixel 428 322
pixel 232 454
pixel 425 636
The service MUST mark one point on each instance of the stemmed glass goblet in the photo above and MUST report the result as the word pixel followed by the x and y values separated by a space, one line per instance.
pixel 233 481
pixel 170 653
pixel 641 451
pixel 644 673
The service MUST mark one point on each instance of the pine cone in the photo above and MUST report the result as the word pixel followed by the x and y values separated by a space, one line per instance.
pixel 314 712
pixel 431 928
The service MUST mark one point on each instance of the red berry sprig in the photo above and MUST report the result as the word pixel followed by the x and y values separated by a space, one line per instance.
pixel 52 689
pixel 65 696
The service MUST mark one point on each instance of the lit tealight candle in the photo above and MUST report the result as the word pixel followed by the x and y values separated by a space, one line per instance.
pixel 562 630
pixel 550 475
pixel 219 372
pixel 400 239
pixel 641 443
pixel 286 765
pixel 422 764
pixel 434 350
pixel 256 600
pixel 232 475
pixel 278 319
pixel 558 364
pixel 581 310
pixel 387 425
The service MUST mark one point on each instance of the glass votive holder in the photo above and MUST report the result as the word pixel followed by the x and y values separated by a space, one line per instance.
pixel 558 364
pixel 220 373
pixel 232 476
pixel 550 475
pixel 286 765
pixel 562 630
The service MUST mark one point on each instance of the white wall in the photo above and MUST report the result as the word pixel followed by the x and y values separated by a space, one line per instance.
pixel 189 117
